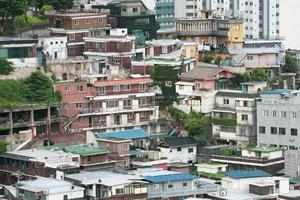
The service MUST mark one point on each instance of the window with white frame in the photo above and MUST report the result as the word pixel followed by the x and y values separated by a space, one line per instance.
pixel 117 88
pixel 142 87
pixel 283 114
pixel 225 101
pixel 126 87
pixel 119 191
pixel 197 85
pixel 164 49
pixel 101 90
pixel 168 83
pixel 76 22
pixel 181 87
pixel 294 115
pixel 155 186
pixel 100 20
pixel 244 117
pixel 72 36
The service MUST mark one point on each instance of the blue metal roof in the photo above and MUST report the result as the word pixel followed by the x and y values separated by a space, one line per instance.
pixel 238 174
pixel 128 134
pixel 278 91
pixel 170 177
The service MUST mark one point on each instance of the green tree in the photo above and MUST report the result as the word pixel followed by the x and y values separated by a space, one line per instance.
pixel 6 67
pixel 195 124
pixel 38 88
pixel 207 58
pixel 57 4
pixel 3 147
pixel 290 64
pixel 259 74
pixel 44 9
pixel 237 79
pixel 218 60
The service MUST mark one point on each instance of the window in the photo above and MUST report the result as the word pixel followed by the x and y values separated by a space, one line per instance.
pixel 244 117
pixel 294 115
pixel 142 101
pixel 76 22
pixel 79 88
pixel 126 87
pixel 178 148
pixel 281 131
pixel 99 45
pixel 266 113
pixel 111 104
pixel 100 20
pixel 197 85
pixel 142 87
pixel 164 49
pixel 283 114
pixel 262 130
pixel 72 36
pixel 119 191
pixel 292 148
pixel 127 103
pixel 191 150
pixel 249 57
pixel 294 132
pixel 184 184
pixel 65 197
pixel 155 186
pixel 117 88
pixel 101 90
pixel 168 83
pixel 126 146
pixel 242 131
pixel 273 130
pixel 170 186
pixel 67 88
pixel 78 105
pixel 225 101
pixel 134 10
pixel 180 87
pixel 87 21
pixel 274 113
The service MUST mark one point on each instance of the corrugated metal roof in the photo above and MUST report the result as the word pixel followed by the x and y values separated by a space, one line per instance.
pixel 128 134
pixel 239 174
pixel 170 177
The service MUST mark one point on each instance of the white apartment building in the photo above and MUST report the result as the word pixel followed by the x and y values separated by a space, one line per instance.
pixel 219 7
pixel 186 8
pixel 55 48
pixel 261 17
pixel 278 119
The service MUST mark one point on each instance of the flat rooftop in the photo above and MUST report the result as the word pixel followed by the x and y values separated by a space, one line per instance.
pixel 266 149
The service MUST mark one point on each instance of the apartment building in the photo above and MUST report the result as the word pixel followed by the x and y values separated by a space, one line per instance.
pixel 186 8
pixel 165 13
pixel 209 30
pixel 54 48
pixel 234 117
pixel 109 105
pixel 220 8
pixel 75 25
pixel 278 119
pixel 117 50
pixel 261 17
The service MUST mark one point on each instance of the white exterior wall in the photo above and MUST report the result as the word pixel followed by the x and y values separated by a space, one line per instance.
pixel 181 10
pixel 54 46
pixel 179 156
pixel 219 8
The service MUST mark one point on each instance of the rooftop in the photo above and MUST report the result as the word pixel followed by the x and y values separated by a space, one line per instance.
pixel 268 149
pixel 202 73
pixel 164 42
pixel 124 81
pixel 127 134
pixel 86 150
pixel 178 141
pixel 239 174
pixel 170 177
pixel 237 94
pixel 278 91
pixel 254 83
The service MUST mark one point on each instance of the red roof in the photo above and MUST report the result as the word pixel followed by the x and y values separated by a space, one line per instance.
pixel 124 81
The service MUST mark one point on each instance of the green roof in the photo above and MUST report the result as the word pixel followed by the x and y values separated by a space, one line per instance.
pixel 86 150
pixel 266 149
pixel 83 150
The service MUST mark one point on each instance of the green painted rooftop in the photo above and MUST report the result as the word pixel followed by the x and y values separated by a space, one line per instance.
pixel 266 149
pixel 86 150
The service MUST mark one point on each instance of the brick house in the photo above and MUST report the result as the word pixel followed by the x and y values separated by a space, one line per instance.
pixel 109 105
pixel 75 25
pixel 118 50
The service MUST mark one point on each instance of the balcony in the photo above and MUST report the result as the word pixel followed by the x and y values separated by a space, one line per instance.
pixel 224 122
pixel 245 108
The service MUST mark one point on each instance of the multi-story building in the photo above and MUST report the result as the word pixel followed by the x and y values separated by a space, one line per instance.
pixel 292 163
pixel 75 25
pixel 22 52
pixel 54 48
pixel 165 13
pixel 268 159
pixel 261 17
pixel 236 33
pixel 234 117
pixel 118 50
pixel 186 8
pixel 133 15
pixel 108 185
pixel 278 119
pixel 45 188
pixel 213 31
pixel 219 8
pixel 109 105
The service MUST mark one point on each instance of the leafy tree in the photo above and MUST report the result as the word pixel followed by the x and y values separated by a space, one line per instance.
pixel 9 9
pixel 3 147
pixel 6 67
pixel 57 4
pixel 237 79
pixel 207 58
pixel 259 74
pixel 45 8
pixel 195 124
pixel 38 88
pixel 218 60
pixel 290 64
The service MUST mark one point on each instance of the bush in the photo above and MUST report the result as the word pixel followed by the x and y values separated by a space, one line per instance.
pixel 207 58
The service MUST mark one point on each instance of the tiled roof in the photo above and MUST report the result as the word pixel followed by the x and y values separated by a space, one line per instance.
pixel 202 73
pixel 124 81
pixel 179 141
pixel 128 134
pixel 170 177
pixel 239 174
